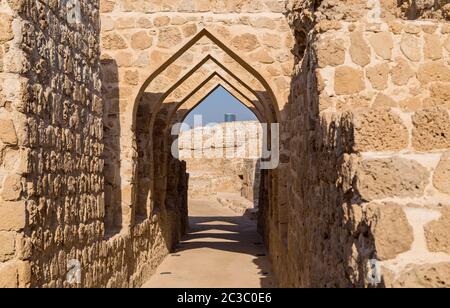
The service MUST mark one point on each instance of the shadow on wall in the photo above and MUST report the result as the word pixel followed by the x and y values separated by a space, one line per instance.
pixel 111 137
pixel 327 245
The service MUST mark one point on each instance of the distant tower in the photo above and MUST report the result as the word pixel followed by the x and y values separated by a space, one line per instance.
pixel 230 117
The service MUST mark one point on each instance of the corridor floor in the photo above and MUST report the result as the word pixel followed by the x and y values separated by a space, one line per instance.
pixel 221 250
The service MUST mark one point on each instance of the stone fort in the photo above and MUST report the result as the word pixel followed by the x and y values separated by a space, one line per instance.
pixel 360 90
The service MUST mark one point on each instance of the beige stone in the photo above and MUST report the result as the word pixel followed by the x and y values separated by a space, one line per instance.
pixel 379 130
pixel 411 104
pixel 402 72
pixel 161 21
pixel 390 228
pixel 263 22
pixel 359 49
pixel 6 246
pixel 144 23
pixel 8 275
pixel 245 42
pixel 12 216
pixel 384 101
pixel 272 40
pixel 429 29
pixel 424 276
pixel 169 37
pixel 410 47
pixel 106 6
pixel 5 24
pixel 8 132
pixel 141 40
pixel 433 71
pixel 125 23
pixel 378 75
pixel 383 44
pixel 412 28
pixel 331 52
pixel 11 188
pixel 262 56
pixel 189 30
pixel 391 177
pixel 132 77
pixel 124 59
pixel 432 47
pixel 113 41
pixel 348 80
pixel 447 43
pixel 441 177
pixel 431 129
pixel 436 232
pixel 440 93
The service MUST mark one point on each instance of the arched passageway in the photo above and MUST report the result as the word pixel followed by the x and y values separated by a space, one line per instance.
pixel 160 192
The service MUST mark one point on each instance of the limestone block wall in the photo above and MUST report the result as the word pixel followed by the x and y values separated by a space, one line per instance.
pixel 14 269
pixel 222 159
pixel 52 157
pixel 368 124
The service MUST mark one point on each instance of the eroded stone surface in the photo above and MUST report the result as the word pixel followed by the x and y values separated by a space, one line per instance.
pixel 392 232
pixel 436 232
pixel 424 276
pixel 382 178
pixel 348 81
pixel 379 130
pixel 431 129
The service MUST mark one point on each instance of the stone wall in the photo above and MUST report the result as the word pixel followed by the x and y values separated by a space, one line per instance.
pixel 52 181
pixel 368 126
pixel 365 135
pixel 14 269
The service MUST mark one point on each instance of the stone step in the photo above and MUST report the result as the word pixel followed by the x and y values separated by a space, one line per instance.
pixel 237 203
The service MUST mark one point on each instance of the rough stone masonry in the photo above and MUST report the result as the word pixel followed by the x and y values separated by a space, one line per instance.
pixel 360 89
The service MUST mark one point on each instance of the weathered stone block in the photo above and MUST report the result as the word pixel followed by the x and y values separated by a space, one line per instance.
pixel 6 246
pixel 169 37
pixel 348 80
pixel 440 93
pixel 441 177
pixel 437 232
pixel 106 6
pixel 330 52
pixel 391 177
pixel 378 76
pixel 359 49
pixel 245 42
pixel 383 44
pixel 410 47
pixel 384 101
pixel 432 47
pixel 113 41
pixel 402 72
pixel 12 216
pixel 423 276
pixel 132 77
pixel 12 187
pixel 379 130
pixel 9 275
pixel 141 40
pixel 431 129
pixel 434 71
pixel 5 24
pixel 7 132
pixel 390 229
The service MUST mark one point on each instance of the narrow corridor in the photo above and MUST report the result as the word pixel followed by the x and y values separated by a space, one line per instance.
pixel 221 250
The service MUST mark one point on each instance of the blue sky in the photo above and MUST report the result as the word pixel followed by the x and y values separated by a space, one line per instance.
pixel 216 105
